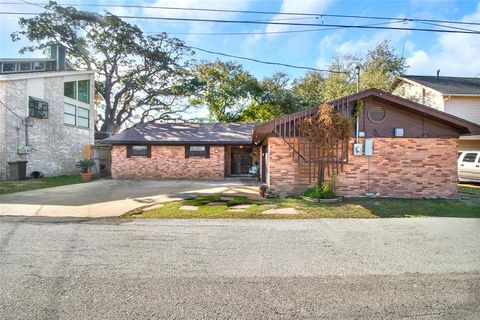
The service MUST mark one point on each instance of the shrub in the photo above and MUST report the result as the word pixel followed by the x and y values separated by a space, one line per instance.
pixel 321 191
pixel 84 165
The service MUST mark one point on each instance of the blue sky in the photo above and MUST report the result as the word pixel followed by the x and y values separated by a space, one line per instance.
pixel 454 54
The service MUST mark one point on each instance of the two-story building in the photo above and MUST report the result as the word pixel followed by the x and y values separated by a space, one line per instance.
pixel 46 114
pixel 459 96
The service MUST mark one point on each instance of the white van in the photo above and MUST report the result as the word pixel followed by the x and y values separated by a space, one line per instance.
pixel 469 166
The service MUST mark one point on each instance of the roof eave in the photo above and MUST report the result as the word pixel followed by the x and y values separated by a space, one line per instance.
pixel 175 143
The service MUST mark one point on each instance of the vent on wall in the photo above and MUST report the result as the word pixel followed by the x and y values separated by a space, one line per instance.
pixel 376 114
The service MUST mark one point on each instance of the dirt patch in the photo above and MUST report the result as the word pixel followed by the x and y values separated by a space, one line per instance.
pixel 282 211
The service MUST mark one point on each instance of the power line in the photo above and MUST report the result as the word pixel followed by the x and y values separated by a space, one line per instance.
pixel 11 110
pixel 266 32
pixel 274 23
pixel 446 26
pixel 255 12
pixel 265 62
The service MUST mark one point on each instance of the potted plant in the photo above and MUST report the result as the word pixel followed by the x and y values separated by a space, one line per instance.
pixel 84 166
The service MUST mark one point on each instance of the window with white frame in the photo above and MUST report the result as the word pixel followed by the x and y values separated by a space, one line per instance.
pixel 69 114
pixel 83 116
pixel 76 116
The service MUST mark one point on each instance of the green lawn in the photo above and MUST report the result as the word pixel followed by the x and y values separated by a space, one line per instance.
pixel 11 186
pixel 468 206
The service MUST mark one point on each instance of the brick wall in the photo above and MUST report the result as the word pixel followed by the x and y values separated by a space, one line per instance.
pixel 283 170
pixel 402 167
pixel 168 162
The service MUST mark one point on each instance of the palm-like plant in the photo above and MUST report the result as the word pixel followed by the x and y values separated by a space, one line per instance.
pixel 84 164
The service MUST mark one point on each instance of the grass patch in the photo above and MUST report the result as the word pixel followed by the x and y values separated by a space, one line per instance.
pixel 171 210
pixel 11 186
pixel 399 208
pixel 466 207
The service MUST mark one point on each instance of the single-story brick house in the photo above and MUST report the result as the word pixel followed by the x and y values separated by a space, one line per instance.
pixel 183 151
pixel 404 149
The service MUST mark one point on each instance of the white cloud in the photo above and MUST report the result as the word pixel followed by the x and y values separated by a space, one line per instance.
pixel 297 6
pixel 324 47
pixel 454 54
pixel 335 45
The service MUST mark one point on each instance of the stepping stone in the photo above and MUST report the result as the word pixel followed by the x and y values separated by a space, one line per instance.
pixel 227 198
pixel 156 206
pixel 241 206
pixel 282 211
pixel 215 204
pixel 189 208
pixel 235 210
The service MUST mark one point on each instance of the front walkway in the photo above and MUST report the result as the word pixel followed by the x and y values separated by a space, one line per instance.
pixel 110 198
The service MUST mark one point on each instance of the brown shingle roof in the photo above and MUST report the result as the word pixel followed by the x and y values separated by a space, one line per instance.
pixel 185 133
pixel 449 85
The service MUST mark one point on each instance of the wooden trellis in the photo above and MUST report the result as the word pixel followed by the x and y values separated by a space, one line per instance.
pixel 314 161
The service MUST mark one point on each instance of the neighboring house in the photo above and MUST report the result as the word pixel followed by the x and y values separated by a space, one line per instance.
pixel 414 150
pixel 459 96
pixel 183 151
pixel 46 114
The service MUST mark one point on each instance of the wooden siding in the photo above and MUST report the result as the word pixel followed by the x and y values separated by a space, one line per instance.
pixel 414 125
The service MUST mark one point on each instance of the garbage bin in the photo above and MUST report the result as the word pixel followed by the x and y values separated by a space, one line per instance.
pixel 18 170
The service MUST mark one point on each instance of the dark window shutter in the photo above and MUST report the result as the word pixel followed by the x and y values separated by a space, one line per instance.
pixel 207 152
pixel 187 152
pixel 129 151
pixel 149 151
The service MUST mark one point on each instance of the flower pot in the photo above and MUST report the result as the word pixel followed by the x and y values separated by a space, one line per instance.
pixel 86 176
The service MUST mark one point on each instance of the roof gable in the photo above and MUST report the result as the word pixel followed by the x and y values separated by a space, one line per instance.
pixel 462 126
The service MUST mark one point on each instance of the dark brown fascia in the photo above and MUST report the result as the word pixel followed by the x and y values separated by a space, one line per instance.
pixel 177 143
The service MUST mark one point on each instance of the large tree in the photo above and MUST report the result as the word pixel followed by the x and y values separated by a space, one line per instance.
pixel 141 77
pixel 308 89
pixel 276 98
pixel 379 67
pixel 226 89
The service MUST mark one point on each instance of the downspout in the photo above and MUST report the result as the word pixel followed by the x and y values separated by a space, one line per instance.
pixel 27 124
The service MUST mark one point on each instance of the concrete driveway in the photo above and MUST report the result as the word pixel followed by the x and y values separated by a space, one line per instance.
pixel 110 198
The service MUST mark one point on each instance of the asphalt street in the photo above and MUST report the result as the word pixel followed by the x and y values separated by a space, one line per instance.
pixel 71 268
